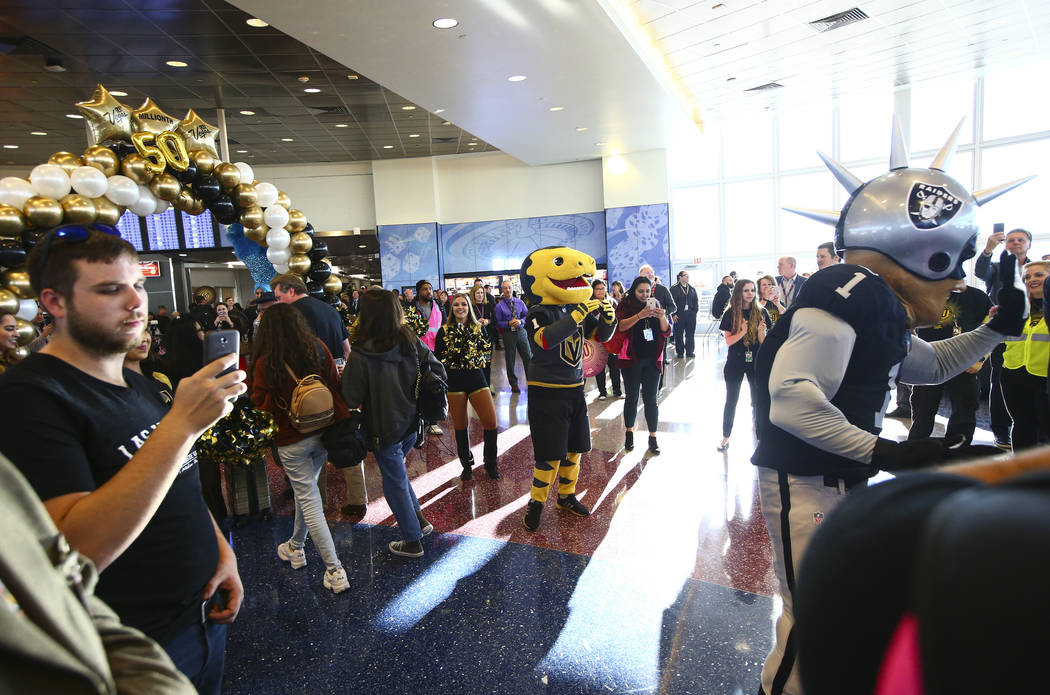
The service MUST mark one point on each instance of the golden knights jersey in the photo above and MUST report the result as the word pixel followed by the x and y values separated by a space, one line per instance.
pixel 557 344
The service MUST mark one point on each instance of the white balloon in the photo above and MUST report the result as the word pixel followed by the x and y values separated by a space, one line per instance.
pixel 50 181
pixel 267 195
pixel 15 191
pixel 88 181
pixel 146 203
pixel 121 190
pixel 247 175
pixel 281 268
pixel 26 309
pixel 276 216
pixel 278 239
pixel 162 206
pixel 278 256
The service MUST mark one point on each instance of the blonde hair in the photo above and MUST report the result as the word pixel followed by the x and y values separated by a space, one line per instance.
pixel 472 319
pixel 1045 265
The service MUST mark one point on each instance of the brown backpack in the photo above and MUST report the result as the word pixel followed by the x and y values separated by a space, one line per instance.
pixel 311 406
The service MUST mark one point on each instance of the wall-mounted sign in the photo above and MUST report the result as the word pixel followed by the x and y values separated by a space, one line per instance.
pixel 150 269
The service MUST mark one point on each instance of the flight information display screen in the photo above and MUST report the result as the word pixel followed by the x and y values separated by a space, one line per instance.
pixel 162 232
pixel 128 224
pixel 199 230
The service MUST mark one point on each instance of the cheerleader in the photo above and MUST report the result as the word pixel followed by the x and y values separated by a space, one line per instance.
pixel 463 346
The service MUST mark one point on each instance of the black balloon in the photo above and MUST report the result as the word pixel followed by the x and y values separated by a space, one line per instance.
pixel 319 250
pixel 186 176
pixel 332 299
pixel 224 210
pixel 32 237
pixel 319 272
pixel 207 188
pixel 11 253
pixel 315 290
pixel 309 229
pixel 121 149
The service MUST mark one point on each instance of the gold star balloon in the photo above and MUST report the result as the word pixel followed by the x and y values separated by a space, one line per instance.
pixel 197 134
pixel 148 118
pixel 107 117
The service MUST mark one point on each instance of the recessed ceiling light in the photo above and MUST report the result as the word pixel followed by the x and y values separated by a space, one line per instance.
pixel 341 125
pixel 352 77
pixel 254 22
pixel 40 132
pixel 303 78
pixel 73 115
pixel 311 90
pixel 362 246
pixel 242 151
pixel 581 128
pixel 287 140
pixel 408 108
pixel 183 254
pixel 243 113
pixel 439 110
pixel 10 147
pixel 516 78
pixel 118 93
pixel 388 147
pixel 556 108
pixel 471 144
pixel 600 144
pixel 177 63
pixel 445 23
pixel 446 123
pixel 414 135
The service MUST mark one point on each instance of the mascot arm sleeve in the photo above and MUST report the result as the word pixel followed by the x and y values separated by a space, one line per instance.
pixel 806 373
pixel 936 362
pixel 552 334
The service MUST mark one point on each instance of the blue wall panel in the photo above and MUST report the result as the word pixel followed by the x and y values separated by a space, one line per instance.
pixel 407 253
pixel 503 244
pixel 636 235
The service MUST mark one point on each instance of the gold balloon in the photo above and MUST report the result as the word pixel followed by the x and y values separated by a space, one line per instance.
pixel 197 134
pixel 25 331
pixel 284 200
pixel 136 168
pixel 299 263
pixel 333 285
pixel 21 352
pixel 165 187
pixel 107 211
pixel 43 212
pixel 187 203
pixel 148 118
pixel 12 221
pixel 296 221
pixel 258 234
pixel 301 242
pixel 245 195
pixel 228 175
pixel 18 282
pixel 206 161
pixel 252 218
pixel 103 159
pixel 107 118
pixel 78 209
pixel 196 208
pixel 8 302
pixel 67 160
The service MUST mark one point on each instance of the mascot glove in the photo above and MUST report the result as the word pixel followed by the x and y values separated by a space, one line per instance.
pixel 905 456
pixel 584 308
pixel 608 313
pixel 1013 298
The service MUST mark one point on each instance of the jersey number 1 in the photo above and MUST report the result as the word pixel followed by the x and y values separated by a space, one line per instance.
pixel 845 290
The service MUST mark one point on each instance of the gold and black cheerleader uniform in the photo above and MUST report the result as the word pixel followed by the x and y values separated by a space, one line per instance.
pixel 464 350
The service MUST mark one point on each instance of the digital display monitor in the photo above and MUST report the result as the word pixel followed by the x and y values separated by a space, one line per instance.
pixel 161 231
pixel 128 224
pixel 199 230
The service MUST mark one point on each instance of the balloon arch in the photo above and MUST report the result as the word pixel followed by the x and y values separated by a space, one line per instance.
pixel 145 161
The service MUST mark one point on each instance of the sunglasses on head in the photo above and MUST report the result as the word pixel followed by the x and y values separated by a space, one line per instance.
pixel 69 234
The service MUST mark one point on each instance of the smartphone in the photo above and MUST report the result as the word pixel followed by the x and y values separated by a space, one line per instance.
pixel 651 302
pixel 998 228
pixel 219 343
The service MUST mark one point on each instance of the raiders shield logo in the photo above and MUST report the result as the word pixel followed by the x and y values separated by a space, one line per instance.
pixel 931 206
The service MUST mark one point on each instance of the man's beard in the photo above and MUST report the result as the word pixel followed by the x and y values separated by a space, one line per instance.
pixel 96 339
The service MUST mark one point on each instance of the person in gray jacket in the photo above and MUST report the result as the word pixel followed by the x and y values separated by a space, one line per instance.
pixel 380 380
pixel 58 637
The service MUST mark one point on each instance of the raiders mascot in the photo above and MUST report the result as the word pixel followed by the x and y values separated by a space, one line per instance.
pixel 825 370
pixel 555 283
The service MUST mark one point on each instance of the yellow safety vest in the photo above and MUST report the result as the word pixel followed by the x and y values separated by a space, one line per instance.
pixel 1030 350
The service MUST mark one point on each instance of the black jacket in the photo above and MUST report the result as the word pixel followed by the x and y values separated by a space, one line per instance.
pixel 718 304
pixel 685 298
pixel 663 295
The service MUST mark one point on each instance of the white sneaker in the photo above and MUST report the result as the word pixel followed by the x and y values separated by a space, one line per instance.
pixel 435 430
pixel 336 580
pixel 297 558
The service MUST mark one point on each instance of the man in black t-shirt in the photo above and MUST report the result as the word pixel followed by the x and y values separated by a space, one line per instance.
pixel 115 468
pixel 323 320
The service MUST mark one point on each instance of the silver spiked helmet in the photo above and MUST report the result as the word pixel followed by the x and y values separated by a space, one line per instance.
pixel 921 218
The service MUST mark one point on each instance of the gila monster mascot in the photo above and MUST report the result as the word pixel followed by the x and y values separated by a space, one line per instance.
pixel 555 282
pixel 824 371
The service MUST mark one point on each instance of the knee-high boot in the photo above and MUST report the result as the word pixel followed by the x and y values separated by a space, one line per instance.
pixel 490 454
pixel 465 457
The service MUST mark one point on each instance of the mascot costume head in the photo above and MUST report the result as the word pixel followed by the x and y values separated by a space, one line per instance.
pixel 914 226
pixel 557 275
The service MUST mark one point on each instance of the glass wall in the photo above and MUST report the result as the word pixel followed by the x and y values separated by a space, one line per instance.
pixel 728 191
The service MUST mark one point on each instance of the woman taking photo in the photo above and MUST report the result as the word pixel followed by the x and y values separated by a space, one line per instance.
pixel 1023 377
pixel 285 351
pixel 463 346
pixel 744 325
pixel 641 358
pixel 598 292
pixel 769 297
pixel 380 379
pixel 484 313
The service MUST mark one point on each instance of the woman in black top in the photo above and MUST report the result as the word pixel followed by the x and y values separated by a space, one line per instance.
pixel 744 325
pixel 769 297
pixel 463 346
pixel 485 313
pixel 641 358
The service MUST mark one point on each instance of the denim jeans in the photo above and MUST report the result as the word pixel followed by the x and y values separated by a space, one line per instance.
pixel 397 488
pixel 303 462
pixel 199 652
pixel 515 342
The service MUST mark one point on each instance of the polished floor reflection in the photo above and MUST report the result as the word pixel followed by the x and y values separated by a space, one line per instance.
pixel 667 587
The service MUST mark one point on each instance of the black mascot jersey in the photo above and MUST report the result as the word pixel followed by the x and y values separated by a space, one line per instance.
pixel 862 299
pixel 558 361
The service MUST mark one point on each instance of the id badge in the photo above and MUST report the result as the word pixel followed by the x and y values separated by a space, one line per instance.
pixel 748 356
pixel 647 334
pixel 686 308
